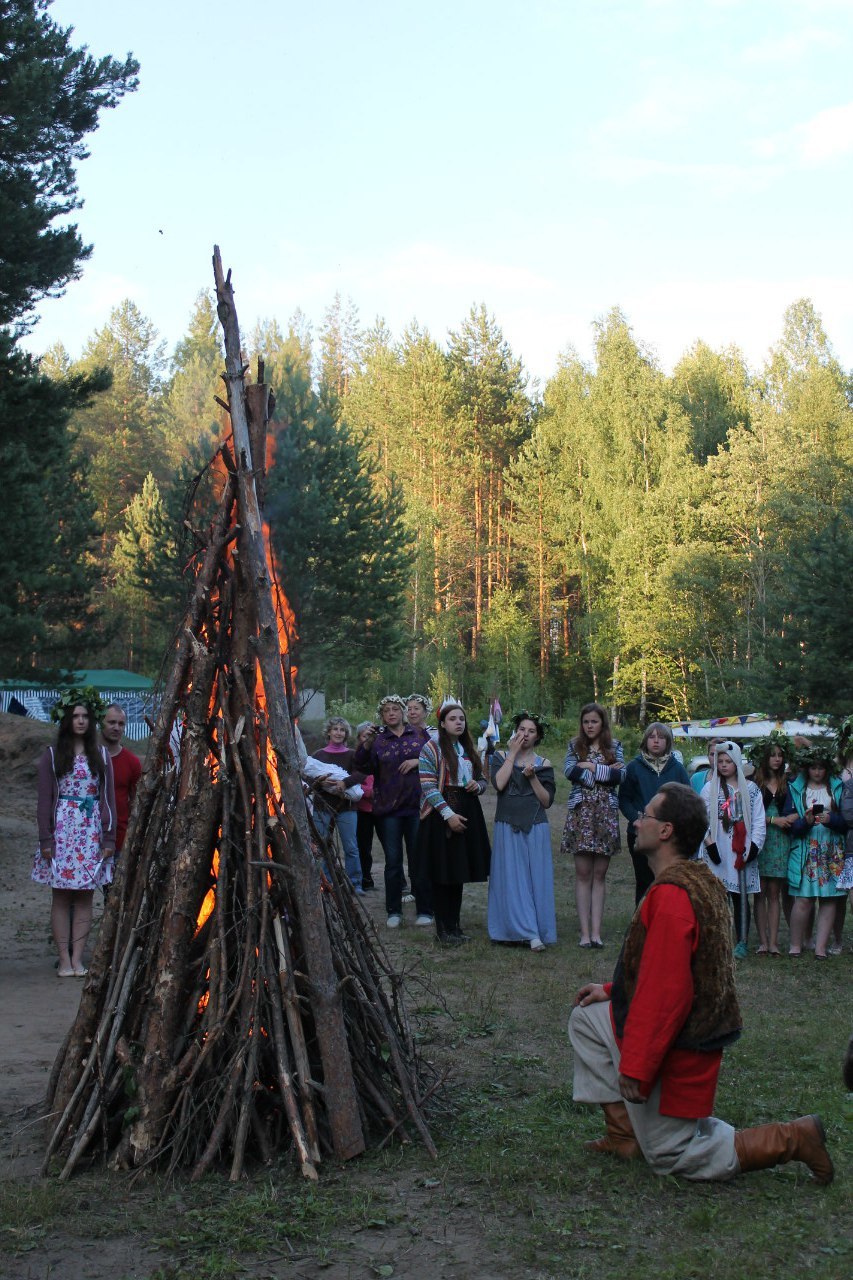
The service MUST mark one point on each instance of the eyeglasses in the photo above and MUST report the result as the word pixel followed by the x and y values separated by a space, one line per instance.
pixel 645 814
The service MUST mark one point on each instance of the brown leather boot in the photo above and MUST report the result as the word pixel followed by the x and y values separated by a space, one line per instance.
pixel 619 1137
pixel 770 1144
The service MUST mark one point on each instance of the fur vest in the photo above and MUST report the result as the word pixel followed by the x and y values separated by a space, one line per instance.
pixel 714 1019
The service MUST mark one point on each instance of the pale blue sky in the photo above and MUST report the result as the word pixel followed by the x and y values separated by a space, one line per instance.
pixel 686 160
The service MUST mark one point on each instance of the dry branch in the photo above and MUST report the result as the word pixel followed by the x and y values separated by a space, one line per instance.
pixel 238 1000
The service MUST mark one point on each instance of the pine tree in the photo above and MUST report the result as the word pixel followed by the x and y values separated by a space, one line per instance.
pixel 122 430
pixel 342 548
pixel 147 587
pixel 51 95
pixel 492 421
pixel 340 348
pixel 47 572
pixel 192 421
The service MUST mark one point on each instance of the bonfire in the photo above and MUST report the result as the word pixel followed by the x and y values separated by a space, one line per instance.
pixel 239 1003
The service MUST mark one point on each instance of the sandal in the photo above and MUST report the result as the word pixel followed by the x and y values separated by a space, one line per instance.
pixel 586 945
pixel 762 950
pixel 795 955
pixel 774 952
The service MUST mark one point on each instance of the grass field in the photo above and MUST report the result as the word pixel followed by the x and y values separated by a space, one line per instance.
pixel 513 1193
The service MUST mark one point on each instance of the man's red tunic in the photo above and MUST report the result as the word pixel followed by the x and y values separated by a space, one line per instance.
pixel 660 1006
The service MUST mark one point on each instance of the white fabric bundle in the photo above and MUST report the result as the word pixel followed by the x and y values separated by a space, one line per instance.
pixel 313 769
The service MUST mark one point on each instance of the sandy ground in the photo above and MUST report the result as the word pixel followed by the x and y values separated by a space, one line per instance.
pixel 36 1011
pixel 37 1007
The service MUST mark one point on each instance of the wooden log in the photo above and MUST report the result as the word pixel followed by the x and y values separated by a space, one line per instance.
pixel 260 984
pixel 341 1095
pixel 109 1030
pixel 103 958
pixel 308 1157
pixel 194 834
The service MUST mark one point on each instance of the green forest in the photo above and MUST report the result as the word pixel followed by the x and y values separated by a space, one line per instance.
pixel 673 544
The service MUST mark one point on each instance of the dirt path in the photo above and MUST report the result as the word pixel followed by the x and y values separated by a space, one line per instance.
pixel 36 1011
pixel 37 1006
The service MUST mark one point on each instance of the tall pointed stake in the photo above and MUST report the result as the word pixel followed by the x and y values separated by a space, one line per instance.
pixel 341 1097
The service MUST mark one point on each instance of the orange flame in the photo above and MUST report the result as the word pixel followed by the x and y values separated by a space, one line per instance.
pixel 287 632
pixel 209 901
pixel 287 635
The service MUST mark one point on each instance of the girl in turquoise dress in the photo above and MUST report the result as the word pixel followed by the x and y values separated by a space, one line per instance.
pixel 817 847
pixel 771 757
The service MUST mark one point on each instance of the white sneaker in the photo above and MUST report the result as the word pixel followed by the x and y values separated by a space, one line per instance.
pixel 394 921
pixel 424 920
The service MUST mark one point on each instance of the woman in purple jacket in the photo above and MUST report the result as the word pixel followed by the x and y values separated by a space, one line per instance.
pixel 390 752
pixel 76 825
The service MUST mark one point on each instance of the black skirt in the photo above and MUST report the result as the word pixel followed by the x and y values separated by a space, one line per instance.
pixel 449 857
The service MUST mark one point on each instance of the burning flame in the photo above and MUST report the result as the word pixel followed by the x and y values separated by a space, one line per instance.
pixel 287 632
pixel 287 635
pixel 209 901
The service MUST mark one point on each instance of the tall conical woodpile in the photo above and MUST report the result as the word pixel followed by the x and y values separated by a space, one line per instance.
pixel 238 1002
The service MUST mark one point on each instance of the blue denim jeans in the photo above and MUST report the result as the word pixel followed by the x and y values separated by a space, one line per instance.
pixel 393 830
pixel 345 821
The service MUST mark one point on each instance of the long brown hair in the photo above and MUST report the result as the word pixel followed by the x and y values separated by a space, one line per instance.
pixel 64 757
pixel 448 751
pixel 582 743
pixel 764 773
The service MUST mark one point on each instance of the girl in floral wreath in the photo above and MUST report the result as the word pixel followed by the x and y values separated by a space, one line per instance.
pixel 736 831
pixel 453 843
pixel 76 824
pixel 771 757
pixel 816 862
pixel 594 765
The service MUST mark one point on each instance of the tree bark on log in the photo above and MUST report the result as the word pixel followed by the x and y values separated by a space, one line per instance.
pixel 342 1101
pixel 239 1001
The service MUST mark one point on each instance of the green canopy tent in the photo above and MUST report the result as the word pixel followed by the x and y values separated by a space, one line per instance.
pixel 133 693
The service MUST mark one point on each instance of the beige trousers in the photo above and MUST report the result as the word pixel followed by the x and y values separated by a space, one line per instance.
pixel 701 1150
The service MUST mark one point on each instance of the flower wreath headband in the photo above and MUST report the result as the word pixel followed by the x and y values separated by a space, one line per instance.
pixel 393 698
pixel 775 738
pixel 542 725
pixel 422 698
pixel 822 752
pixel 87 697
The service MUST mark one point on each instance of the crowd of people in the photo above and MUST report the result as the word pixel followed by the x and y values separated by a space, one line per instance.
pixel 779 834
pixel 648 1046
pixel 781 841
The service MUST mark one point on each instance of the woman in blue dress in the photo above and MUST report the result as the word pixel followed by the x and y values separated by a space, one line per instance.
pixel 521 889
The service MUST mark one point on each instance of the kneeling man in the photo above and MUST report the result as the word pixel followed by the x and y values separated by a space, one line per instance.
pixel 649 1045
